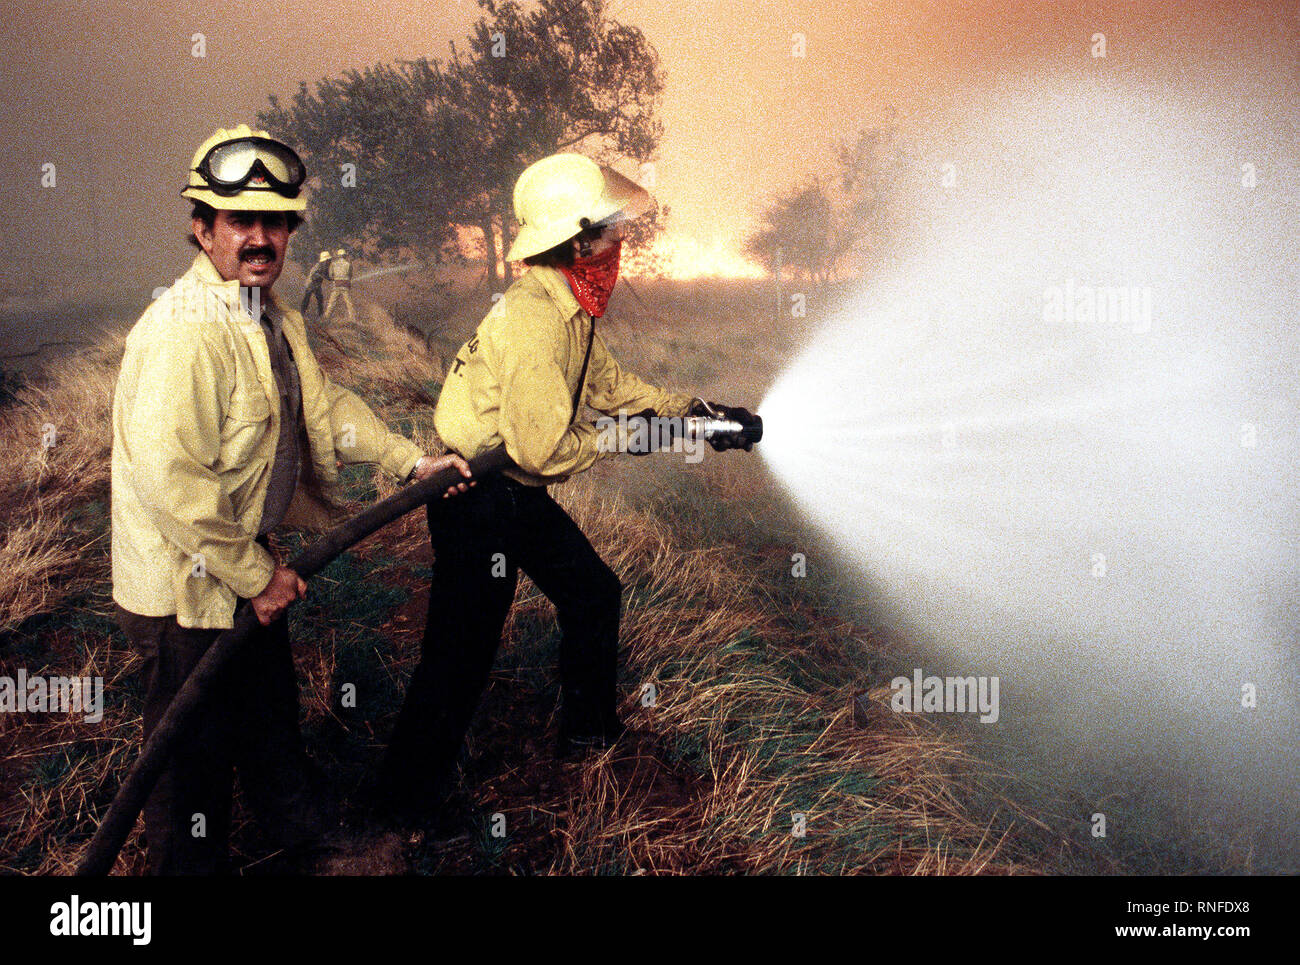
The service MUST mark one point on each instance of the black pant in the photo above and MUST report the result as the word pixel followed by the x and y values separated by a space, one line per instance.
pixel 313 292
pixel 480 541
pixel 250 723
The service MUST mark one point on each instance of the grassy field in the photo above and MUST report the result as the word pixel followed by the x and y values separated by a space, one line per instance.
pixel 744 753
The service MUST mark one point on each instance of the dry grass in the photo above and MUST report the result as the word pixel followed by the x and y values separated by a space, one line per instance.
pixel 60 779
pixel 771 744
pixel 751 724
pixel 391 365
pixel 53 466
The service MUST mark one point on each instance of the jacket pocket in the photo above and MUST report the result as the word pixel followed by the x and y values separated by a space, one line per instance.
pixel 248 419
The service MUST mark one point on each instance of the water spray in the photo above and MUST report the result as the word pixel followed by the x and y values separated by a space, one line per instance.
pixel 1069 458
pixel 389 270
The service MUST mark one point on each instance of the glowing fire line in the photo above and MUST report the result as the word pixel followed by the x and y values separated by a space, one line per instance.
pixel 685 258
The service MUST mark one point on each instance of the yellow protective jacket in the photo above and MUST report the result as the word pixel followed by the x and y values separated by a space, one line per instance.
pixel 514 382
pixel 196 416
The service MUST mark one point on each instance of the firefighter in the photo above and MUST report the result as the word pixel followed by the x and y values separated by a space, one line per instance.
pixel 315 281
pixel 340 273
pixel 522 379
pixel 224 426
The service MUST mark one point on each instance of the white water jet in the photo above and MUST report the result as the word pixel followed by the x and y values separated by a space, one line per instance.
pixel 1058 436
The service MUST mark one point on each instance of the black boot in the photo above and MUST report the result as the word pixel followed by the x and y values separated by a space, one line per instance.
pixel 578 741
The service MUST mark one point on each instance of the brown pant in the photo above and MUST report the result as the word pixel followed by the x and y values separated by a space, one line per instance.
pixel 249 723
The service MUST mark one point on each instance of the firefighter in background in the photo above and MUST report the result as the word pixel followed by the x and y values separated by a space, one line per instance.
pixel 340 272
pixel 522 380
pixel 315 281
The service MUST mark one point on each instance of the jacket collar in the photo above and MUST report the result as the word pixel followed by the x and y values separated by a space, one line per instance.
pixel 557 286
pixel 229 291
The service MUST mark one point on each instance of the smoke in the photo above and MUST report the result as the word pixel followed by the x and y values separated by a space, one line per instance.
pixel 1057 435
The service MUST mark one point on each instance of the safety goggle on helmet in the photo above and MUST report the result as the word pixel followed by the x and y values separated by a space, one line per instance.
pixel 252 164
pixel 245 169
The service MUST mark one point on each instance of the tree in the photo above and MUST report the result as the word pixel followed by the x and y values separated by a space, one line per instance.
pixel 798 232
pixel 871 168
pixel 437 145
pixel 817 230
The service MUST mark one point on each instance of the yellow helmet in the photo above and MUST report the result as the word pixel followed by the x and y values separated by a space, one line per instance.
pixel 339 253
pixel 324 256
pixel 260 176
pixel 558 196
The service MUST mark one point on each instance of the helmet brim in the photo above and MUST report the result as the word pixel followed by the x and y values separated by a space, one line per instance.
pixel 246 200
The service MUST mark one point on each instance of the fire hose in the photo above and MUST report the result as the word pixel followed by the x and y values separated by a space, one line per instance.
pixel 183 712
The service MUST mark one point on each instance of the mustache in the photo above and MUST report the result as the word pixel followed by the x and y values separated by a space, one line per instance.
pixel 255 252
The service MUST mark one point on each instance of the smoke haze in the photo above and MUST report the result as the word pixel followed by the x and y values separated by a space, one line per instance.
pixel 1071 456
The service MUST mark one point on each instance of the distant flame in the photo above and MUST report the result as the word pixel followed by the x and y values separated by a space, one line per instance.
pixel 684 258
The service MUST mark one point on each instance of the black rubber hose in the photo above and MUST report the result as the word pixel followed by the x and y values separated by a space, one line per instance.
pixel 183 712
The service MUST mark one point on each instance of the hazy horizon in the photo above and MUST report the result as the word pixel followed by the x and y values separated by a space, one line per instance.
pixel 111 95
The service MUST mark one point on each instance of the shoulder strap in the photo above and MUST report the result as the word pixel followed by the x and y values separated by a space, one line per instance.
pixel 582 379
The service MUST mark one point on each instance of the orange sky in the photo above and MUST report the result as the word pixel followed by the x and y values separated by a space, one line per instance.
pixel 109 92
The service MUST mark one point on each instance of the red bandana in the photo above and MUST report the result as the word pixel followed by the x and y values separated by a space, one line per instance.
pixel 592 279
